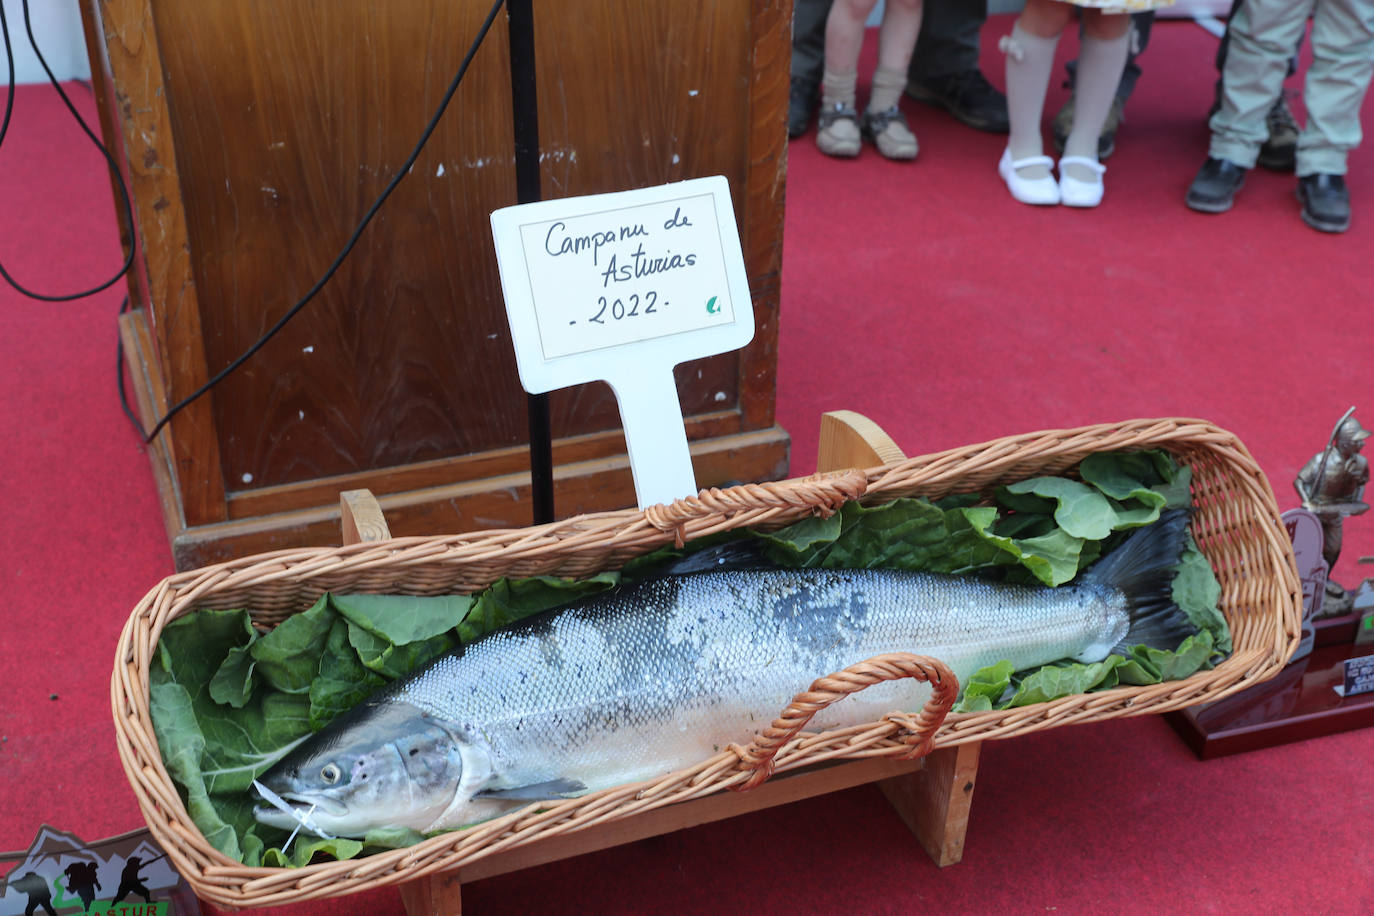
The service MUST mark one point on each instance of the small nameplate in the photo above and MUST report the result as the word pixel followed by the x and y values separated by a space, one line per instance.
pixel 622 287
pixel 1359 676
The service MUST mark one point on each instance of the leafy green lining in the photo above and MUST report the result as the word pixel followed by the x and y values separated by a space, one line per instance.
pixel 228 701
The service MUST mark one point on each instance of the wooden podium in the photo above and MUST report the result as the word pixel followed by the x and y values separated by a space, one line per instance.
pixel 254 134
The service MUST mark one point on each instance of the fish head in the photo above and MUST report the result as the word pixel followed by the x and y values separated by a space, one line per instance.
pixel 382 764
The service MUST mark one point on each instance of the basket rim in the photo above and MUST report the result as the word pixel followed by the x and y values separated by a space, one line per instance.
pixel 215 876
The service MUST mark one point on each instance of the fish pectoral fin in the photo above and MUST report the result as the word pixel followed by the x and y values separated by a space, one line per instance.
pixel 540 791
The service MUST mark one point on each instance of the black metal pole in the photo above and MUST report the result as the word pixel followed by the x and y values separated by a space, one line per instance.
pixel 526 115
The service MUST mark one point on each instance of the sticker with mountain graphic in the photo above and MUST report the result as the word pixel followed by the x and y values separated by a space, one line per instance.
pixel 62 875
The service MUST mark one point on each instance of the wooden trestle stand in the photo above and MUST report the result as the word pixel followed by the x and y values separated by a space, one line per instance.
pixel 932 794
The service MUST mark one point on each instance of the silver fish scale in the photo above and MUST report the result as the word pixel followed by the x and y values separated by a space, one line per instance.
pixel 640 681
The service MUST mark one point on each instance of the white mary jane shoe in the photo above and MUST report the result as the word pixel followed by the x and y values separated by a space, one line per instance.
pixel 1040 191
pixel 1075 193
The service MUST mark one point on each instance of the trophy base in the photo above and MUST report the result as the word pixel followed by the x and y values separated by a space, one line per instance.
pixel 1296 704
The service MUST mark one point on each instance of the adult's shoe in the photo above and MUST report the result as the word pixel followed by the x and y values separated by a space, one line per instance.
pixel 1106 141
pixel 801 103
pixel 1325 202
pixel 1214 189
pixel 1280 151
pixel 968 96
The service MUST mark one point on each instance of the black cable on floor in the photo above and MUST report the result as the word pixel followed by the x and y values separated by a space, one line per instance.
pixel 4 129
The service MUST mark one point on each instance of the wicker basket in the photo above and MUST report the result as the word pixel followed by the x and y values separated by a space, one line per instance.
pixel 1236 525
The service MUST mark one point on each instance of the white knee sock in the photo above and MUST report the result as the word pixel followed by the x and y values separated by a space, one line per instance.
pixel 1030 59
pixel 1100 64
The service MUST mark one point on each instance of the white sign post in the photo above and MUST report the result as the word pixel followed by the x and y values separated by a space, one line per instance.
pixel 622 287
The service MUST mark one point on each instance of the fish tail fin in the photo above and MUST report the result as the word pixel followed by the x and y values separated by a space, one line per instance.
pixel 1143 570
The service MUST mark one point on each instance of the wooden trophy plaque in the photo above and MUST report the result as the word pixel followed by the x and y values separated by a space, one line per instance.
pixel 254 135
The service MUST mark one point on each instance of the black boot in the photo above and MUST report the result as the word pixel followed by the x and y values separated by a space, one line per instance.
pixel 801 104
pixel 1214 189
pixel 968 96
pixel 1325 202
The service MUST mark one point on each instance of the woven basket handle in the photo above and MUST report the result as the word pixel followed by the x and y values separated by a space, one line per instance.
pixel 758 756
pixel 823 494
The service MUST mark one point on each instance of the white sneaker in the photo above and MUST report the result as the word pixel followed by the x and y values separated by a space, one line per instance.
pixel 1076 193
pixel 1040 191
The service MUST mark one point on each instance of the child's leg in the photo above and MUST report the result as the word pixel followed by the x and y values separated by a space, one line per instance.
pixel 896 39
pixel 1263 36
pixel 1030 58
pixel 1334 90
pixel 883 121
pixel 1101 60
pixel 838 134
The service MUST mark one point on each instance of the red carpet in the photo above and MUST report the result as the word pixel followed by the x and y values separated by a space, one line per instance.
pixel 919 294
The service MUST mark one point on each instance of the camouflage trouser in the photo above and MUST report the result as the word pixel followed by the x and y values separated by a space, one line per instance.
pixel 1264 34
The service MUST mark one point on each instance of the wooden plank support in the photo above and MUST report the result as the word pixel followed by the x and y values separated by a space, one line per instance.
pixel 360 516
pixel 934 801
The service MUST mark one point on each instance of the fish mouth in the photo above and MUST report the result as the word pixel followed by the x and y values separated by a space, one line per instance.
pixel 304 803
pixel 296 806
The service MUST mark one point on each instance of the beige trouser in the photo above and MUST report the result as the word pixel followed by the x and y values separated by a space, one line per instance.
pixel 1264 35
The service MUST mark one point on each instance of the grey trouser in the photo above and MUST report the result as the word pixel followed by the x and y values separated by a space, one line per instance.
pixel 948 42
pixel 1264 35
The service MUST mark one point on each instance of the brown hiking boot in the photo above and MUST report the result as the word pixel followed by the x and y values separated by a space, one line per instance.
pixel 1280 151
pixel 1106 141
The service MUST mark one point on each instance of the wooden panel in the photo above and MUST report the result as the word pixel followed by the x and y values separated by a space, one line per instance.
pixel 493 463
pixel 255 133
pixel 770 70
pixel 490 502
pixel 132 54
pixel 290 117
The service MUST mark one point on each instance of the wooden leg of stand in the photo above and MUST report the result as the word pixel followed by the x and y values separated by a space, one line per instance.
pixel 934 801
pixel 433 895
pixel 851 440
pixel 361 518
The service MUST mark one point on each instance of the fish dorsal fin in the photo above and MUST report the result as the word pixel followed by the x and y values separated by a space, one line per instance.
pixel 541 791
pixel 732 555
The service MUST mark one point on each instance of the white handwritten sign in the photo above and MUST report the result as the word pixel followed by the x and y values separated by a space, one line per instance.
pixel 622 287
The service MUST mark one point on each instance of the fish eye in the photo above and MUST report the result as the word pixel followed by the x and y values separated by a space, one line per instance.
pixel 331 773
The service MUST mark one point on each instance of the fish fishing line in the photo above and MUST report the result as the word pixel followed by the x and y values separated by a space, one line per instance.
pixel 104 151
pixel 302 820
pixel 352 239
